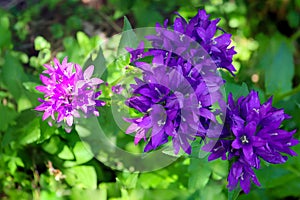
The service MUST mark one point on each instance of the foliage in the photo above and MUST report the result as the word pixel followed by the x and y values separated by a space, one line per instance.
pixel 42 162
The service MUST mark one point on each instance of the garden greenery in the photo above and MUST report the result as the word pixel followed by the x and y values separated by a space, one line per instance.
pixel 202 106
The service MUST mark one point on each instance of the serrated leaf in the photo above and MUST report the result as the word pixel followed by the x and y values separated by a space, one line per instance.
pixel 99 63
pixel 128 38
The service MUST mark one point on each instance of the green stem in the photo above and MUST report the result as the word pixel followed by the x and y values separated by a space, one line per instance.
pixel 295 35
pixel 287 94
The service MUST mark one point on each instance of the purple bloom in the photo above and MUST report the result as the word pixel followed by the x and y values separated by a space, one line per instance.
pixel 182 78
pixel 251 131
pixel 170 107
pixel 199 29
pixel 68 92
pixel 117 89
pixel 243 173
pixel 255 130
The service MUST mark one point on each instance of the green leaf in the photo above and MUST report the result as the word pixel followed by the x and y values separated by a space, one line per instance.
pixel 128 38
pixel 41 43
pixel 30 86
pixel 5 39
pixel 13 77
pixel 82 153
pixel 159 180
pixel 277 60
pixel 30 133
pixel 292 188
pixel 82 177
pixel 128 180
pixel 219 169
pixel 236 90
pixel 53 146
pixel 13 164
pixel 83 41
pixel 44 56
pixel 7 117
pixel 277 176
pixel 212 191
pixel 66 153
pixel 99 63
pixel 46 131
pixel 27 130
pixel 80 194
pixel 199 173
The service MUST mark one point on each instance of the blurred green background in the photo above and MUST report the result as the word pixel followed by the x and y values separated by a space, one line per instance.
pixel 42 162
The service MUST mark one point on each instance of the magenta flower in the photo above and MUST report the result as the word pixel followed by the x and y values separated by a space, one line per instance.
pixel 68 93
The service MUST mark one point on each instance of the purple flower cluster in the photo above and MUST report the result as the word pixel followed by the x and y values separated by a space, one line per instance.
pixel 170 108
pixel 201 30
pixel 68 92
pixel 251 131
pixel 177 97
pixel 181 84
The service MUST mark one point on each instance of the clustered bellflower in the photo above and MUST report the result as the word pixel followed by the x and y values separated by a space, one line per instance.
pixel 252 131
pixel 187 51
pixel 175 96
pixel 68 93
pixel 170 107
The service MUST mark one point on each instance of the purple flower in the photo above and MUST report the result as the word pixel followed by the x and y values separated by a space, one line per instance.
pixel 180 75
pixel 243 173
pixel 252 131
pixel 171 108
pixel 200 29
pixel 255 130
pixel 117 89
pixel 68 92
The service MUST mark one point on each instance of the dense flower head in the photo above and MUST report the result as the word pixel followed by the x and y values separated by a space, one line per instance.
pixel 175 102
pixel 170 108
pixel 177 39
pixel 179 59
pixel 68 92
pixel 252 131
